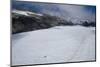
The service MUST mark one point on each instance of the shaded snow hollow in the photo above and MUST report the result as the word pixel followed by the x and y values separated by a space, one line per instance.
pixel 54 45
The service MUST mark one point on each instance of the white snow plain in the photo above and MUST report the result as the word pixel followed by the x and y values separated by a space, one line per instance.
pixel 54 45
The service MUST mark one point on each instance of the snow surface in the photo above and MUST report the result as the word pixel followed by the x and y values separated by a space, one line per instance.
pixel 26 13
pixel 54 45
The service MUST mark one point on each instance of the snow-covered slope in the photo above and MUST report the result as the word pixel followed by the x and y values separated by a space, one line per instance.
pixel 26 13
pixel 54 45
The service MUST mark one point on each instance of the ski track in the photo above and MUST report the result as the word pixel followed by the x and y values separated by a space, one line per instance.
pixel 54 45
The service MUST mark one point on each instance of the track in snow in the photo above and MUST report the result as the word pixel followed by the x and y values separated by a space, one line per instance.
pixel 54 45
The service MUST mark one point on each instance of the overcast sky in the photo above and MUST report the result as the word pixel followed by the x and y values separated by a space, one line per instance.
pixel 68 12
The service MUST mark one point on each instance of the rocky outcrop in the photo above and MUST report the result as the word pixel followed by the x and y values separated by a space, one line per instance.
pixel 23 21
pixel 28 21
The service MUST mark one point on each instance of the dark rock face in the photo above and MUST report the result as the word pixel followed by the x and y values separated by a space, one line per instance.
pixel 93 24
pixel 22 23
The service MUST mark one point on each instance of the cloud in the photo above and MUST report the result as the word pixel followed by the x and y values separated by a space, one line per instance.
pixel 71 12
pixel 74 13
pixel 77 12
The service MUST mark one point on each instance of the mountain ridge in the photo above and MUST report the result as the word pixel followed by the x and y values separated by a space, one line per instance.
pixel 23 21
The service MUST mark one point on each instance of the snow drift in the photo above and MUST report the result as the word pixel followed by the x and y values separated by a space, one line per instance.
pixel 54 45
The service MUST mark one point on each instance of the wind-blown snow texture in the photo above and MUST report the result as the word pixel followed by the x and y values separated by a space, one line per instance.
pixel 54 45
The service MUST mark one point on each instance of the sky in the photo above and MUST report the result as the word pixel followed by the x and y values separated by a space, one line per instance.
pixel 65 11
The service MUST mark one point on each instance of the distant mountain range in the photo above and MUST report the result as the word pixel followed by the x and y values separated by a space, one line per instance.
pixel 23 21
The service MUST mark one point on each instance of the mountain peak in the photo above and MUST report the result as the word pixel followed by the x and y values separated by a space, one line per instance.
pixel 26 13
